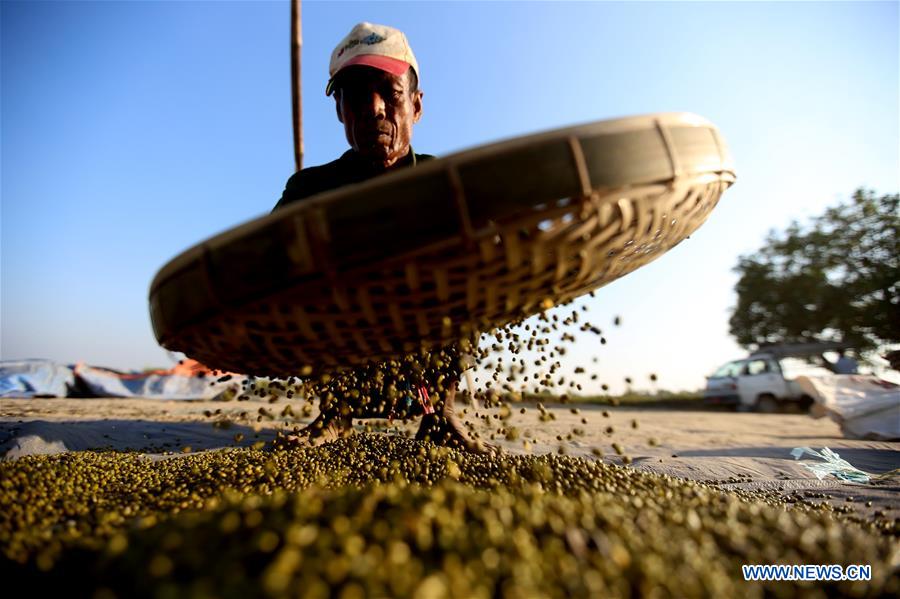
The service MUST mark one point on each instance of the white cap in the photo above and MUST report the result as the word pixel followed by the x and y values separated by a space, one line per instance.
pixel 371 45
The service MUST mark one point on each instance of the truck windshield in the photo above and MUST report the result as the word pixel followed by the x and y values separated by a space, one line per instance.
pixel 730 369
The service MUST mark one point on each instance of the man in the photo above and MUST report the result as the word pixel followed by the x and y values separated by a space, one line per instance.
pixel 845 364
pixel 374 78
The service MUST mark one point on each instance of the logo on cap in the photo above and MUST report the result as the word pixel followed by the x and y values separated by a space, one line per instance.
pixel 369 40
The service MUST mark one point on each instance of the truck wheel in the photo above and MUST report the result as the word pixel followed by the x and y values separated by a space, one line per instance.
pixel 806 403
pixel 767 404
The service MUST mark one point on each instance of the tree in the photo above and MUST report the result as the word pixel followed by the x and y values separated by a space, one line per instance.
pixel 836 279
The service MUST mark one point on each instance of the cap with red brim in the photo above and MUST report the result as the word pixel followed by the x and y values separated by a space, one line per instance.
pixel 384 63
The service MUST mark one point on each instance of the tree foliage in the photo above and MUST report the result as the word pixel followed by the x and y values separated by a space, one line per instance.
pixel 835 279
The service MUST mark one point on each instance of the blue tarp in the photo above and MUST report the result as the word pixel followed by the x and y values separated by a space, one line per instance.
pixel 108 383
pixel 44 378
pixel 35 378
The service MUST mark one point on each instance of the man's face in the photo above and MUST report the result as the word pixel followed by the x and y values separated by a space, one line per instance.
pixel 378 112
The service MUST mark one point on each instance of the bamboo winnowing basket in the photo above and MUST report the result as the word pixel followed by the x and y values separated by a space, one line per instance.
pixel 430 254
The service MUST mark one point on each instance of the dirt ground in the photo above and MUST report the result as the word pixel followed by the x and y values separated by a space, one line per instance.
pixel 734 450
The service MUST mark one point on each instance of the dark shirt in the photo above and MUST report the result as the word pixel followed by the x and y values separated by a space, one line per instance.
pixel 346 170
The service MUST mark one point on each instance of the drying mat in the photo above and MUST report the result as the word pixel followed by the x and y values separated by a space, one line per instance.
pixel 439 252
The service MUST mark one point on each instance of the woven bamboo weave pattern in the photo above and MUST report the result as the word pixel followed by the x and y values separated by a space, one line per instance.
pixel 460 245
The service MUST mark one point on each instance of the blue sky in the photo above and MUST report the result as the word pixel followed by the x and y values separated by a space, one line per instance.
pixel 132 130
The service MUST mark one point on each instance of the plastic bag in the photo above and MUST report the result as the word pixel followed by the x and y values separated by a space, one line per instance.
pixel 833 465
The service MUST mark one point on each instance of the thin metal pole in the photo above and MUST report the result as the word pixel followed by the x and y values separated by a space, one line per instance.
pixel 296 96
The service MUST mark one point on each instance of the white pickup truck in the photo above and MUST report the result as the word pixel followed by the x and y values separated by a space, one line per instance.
pixel 765 380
